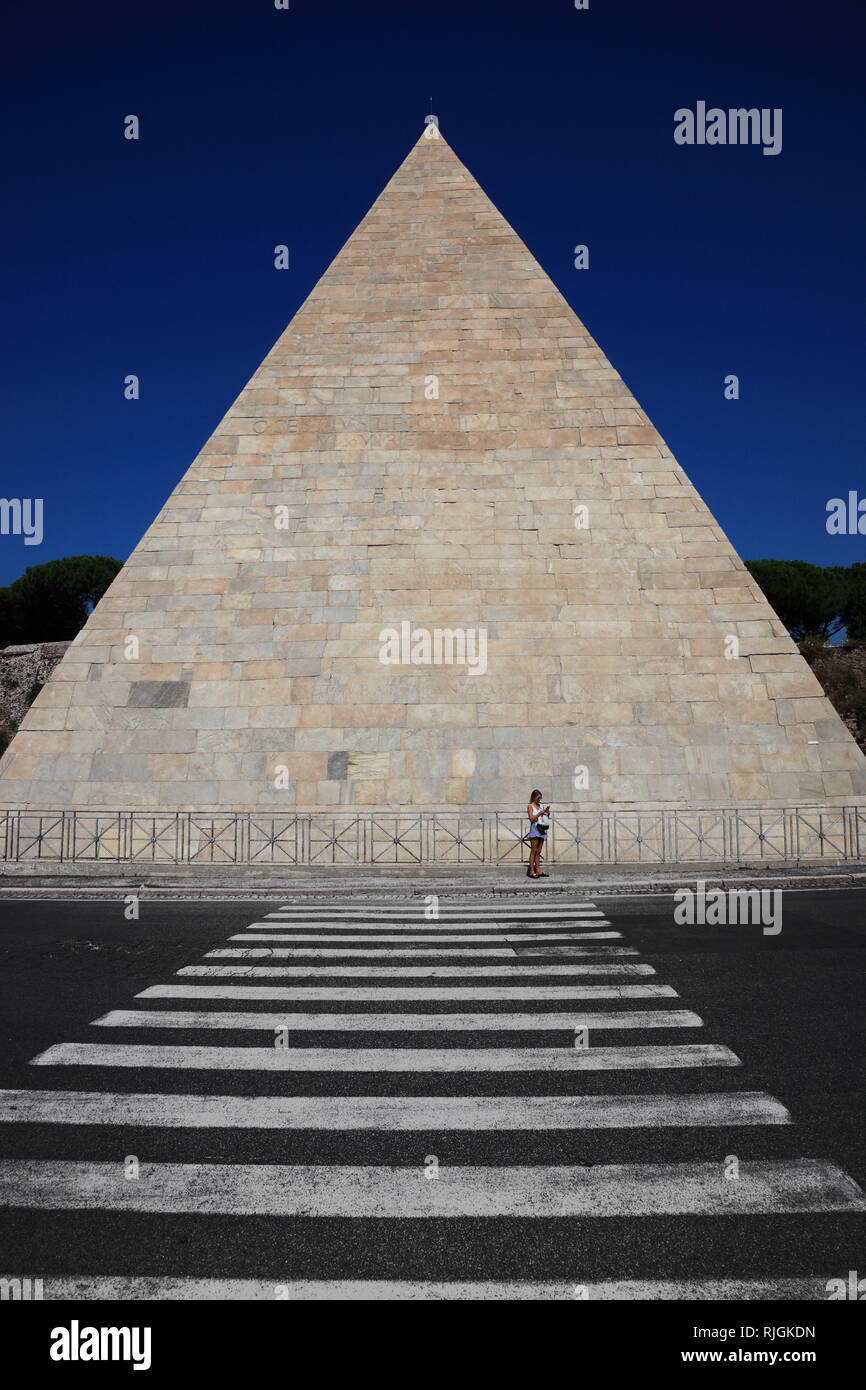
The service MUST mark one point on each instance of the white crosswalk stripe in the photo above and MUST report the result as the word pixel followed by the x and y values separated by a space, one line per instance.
pixel 550 922
pixel 428 972
pixel 559 974
pixel 393 1112
pixel 444 909
pixel 405 953
pixel 153 1289
pixel 344 1190
pixel 372 1059
pixel 400 1022
pixel 381 993
pixel 426 939
pixel 487 924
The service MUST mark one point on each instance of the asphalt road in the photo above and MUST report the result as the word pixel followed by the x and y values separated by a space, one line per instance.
pixel 789 1006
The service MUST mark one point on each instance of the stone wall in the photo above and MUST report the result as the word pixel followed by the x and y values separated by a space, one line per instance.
pixel 24 669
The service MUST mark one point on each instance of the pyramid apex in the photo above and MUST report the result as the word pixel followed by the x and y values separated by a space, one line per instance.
pixel 431 132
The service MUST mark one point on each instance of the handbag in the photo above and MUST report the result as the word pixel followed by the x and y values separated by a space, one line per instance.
pixel 543 821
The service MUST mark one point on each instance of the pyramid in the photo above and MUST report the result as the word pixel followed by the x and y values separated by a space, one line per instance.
pixel 434 556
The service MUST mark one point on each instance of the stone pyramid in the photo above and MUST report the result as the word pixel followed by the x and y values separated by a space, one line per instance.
pixel 435 555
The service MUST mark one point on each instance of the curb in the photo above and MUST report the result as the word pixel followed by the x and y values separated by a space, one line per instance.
pixel 453 886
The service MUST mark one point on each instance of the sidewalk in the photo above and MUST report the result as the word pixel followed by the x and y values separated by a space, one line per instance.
pixel 399 882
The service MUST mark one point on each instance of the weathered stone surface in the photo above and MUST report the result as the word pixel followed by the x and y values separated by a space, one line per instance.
pixel 21 669
pixel 434 442
pixel 159 694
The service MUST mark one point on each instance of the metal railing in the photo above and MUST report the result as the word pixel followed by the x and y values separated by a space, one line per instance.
pixel 726 835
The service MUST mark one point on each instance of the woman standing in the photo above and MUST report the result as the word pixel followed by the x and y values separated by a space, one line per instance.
pixel 536 812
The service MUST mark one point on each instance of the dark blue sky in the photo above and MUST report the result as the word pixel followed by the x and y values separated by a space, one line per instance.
pixel 261 126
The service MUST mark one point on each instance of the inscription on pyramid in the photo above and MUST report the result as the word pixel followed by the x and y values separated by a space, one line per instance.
pixel 434 445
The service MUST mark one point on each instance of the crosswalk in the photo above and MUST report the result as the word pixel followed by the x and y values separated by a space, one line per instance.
pixel 462 1107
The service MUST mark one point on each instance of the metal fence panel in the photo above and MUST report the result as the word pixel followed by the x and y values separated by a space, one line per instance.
pixel 706 836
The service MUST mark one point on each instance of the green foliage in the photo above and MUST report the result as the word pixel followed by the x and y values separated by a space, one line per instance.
pixel 806 597
pixel 815 602
pixel 854 608
pixel 52 602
